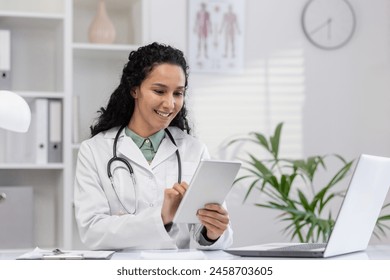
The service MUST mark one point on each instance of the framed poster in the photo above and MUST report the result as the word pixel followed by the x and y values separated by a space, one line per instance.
pixel 216 35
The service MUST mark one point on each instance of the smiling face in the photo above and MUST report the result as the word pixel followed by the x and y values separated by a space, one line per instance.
pixel 158 99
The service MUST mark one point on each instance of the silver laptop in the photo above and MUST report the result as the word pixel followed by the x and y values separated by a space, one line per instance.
pixel 355 221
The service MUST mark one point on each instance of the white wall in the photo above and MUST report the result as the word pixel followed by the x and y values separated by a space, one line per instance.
pixel 340 105
pixel 347 91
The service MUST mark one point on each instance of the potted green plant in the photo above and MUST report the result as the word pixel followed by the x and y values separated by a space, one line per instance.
pixel 289 186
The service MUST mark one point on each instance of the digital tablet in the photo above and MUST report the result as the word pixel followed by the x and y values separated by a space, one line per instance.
pixel 211 183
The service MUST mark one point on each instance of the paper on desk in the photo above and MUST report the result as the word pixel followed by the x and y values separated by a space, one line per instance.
pixel 40 254
pixel 172 255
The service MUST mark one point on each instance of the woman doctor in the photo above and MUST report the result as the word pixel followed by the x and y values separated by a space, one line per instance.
pixel 131 174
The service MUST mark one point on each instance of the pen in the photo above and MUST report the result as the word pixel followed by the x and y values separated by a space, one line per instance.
pixel 57 254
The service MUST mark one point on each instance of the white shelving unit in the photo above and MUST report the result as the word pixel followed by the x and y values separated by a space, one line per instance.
pixel 38 63
pixel 52 58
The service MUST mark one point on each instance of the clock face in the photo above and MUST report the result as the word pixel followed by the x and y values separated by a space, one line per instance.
pixel 328 24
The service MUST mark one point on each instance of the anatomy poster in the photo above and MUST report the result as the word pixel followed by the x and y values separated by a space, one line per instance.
pixel 216 35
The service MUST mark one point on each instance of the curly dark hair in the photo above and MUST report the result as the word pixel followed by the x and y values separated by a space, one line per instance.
pixel 141 62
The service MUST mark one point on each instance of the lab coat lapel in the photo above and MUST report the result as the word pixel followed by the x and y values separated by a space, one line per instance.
pixel 128 149
pixel 166 149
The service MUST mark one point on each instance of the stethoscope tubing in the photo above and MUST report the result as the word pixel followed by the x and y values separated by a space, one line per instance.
pixel 131 171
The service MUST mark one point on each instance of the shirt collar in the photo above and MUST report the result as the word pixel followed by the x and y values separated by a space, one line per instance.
pixel 155 139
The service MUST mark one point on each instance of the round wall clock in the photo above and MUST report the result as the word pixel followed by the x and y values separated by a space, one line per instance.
pixel 328 24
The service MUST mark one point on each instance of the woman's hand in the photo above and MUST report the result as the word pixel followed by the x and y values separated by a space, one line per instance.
pixel 215 218
pixel 172 199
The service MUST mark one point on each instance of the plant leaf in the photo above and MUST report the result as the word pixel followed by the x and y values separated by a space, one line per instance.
pixel 262 140
pixel 275 140
pixel 304 201
pixel 251 186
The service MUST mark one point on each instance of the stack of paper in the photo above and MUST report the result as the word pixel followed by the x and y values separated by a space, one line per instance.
pixel 40 254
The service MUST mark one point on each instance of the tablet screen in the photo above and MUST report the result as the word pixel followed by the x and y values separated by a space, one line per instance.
pixel 211 183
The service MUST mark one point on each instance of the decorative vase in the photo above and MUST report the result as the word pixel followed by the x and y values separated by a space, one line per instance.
pixel 101 30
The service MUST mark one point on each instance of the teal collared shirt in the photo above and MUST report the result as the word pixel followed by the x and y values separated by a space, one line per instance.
pixel 148 146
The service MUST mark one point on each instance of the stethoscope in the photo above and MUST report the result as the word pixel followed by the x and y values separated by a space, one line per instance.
pixel 130 168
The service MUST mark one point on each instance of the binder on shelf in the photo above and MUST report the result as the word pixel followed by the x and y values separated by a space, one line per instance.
pixel 41 129
pixel 5 59
pixel 55 131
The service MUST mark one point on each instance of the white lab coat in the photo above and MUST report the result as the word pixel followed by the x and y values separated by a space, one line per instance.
pixel 102 221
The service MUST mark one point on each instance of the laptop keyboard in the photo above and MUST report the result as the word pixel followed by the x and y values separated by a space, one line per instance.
pixel 302 247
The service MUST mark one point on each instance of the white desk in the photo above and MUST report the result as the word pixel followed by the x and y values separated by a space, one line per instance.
pixel 373 252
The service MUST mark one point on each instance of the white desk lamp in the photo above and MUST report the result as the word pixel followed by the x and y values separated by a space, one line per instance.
pixel 15 114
